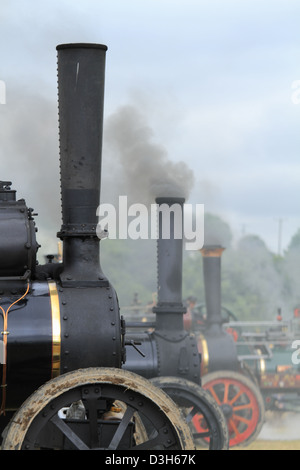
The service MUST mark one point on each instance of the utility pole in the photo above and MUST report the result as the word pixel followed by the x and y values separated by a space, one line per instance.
pixel 280 221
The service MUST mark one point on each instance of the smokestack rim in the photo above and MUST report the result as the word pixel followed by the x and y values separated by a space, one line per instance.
pixel 81 45
pixel 212 251
pixel 170 200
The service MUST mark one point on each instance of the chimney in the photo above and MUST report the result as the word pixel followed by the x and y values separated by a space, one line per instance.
pixel 81 73
pixel 169 310
pixel 212 282
pixel 216 346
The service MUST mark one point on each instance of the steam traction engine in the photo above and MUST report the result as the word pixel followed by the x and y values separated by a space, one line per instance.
pixel 170 355
pixel 248 367
pixel 263 374
pixel 63 337
pixel 225 374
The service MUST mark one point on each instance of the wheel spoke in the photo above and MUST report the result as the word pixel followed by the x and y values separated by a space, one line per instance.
pixel 67 431
pixel 243 407
pixel 226 391
pixel 214 394
pixel 201 435
pixel 191 414
pixel 234 399
pixel 90 405
pixel 233 427
pixel 242 419
pixel 121 429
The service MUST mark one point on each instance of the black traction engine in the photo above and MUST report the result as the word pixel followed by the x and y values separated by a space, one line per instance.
pixel 63 386
pixel 71 376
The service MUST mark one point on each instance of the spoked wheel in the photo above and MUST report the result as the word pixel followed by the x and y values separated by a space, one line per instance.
pixel 98 409
pixel 241 403
pixel 195 401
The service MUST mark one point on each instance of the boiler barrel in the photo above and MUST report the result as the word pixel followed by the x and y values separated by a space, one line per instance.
pixel 51 331
pixel 32 346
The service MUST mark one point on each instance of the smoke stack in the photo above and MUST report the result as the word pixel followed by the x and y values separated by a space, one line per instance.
pixel 212 281
pixel 169 310
pixel 81 74
pixel 216 346
pixel 169 350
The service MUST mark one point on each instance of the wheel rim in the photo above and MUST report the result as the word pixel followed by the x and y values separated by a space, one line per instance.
pixel 195 401
pixel 141 405
pixel 240 407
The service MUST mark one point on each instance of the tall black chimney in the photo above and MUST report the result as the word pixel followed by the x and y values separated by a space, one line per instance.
pixel 169 310
pixel 216 346
pixel 212 283
pixel 81 73
pixel 176 349
pixel 169 350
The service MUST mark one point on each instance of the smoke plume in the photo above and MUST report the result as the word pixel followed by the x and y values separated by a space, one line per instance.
pixel 145 170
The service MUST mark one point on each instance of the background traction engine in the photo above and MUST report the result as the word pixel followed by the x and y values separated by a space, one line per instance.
pixel 170 354
pixel 62 333
pixel 225 373
pixel 264 375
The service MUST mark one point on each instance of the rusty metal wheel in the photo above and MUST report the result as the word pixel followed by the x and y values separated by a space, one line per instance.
pixel 195 401
pixel 98 409
pixel 241 402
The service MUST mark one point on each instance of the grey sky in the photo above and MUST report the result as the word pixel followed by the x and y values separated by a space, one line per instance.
pixel 213 79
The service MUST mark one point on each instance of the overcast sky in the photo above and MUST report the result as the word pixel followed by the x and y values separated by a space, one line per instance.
pixel 212 78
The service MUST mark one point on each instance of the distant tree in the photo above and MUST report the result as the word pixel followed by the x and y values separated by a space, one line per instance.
pixel 252 285
pixel 291 271
pixel 295 242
